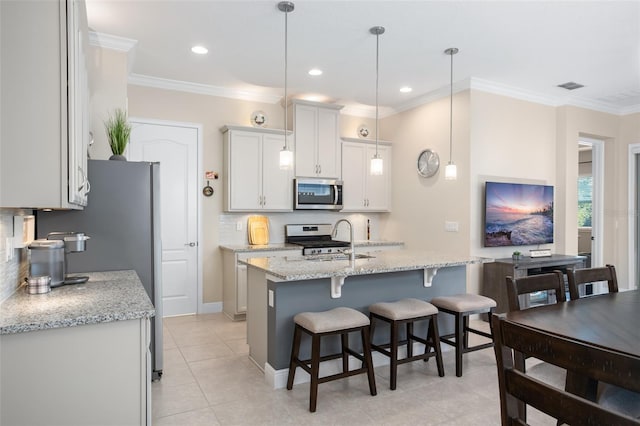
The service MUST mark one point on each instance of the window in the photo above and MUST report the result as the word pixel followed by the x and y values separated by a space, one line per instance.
pixel 585 191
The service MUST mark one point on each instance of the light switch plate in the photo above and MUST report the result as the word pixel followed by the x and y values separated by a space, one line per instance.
pixel 451 226
pixel 238 226
pixel 271 298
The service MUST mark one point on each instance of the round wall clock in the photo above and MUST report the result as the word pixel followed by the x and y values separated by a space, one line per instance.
pixel 428 163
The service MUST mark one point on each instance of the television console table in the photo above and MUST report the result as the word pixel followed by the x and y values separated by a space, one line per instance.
pixel 495 273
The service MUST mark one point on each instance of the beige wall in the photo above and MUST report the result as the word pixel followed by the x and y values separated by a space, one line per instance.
pixel 573 123
pixel 421 206
pixel 511 141
pixel 108 71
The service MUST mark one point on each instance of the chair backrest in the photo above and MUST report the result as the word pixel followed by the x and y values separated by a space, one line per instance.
pixel 526 285
pixel 590 275
pixel 517 387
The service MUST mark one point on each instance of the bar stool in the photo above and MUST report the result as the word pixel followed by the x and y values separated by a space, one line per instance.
pixel 407 311
pixel 461 306
pixel 340 321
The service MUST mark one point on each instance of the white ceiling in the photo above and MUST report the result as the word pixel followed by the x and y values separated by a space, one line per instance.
pixel 520 48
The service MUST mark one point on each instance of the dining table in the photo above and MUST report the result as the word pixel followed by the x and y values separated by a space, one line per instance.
pixel 610 321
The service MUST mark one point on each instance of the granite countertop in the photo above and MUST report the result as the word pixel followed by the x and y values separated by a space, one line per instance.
pixel 293 268
pixel 106 297
pixel 243 248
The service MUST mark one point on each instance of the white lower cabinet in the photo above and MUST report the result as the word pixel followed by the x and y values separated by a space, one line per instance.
pixel 254 179
pixel 363 192
pixel 97 374
pixel 234 277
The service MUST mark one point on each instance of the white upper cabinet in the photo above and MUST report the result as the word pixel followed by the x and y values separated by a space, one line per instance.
pixel 317 142
pixel 254 180
pixel 45 104
pixel 361 191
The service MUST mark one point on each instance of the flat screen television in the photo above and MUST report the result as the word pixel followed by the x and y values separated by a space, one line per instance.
pixel 517 214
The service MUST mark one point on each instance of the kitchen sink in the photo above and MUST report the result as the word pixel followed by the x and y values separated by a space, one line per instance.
pixel 331 257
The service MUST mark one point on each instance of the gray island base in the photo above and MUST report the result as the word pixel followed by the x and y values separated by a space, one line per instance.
pixel 280 288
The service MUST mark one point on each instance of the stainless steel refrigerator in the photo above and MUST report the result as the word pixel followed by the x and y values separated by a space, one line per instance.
pixel 123 220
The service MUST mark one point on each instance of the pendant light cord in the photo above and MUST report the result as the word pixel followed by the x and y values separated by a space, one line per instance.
pixel 377 78
pixel 451 115
pixel 286 107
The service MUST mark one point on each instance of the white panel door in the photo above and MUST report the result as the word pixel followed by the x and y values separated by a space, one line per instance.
pixel 176 149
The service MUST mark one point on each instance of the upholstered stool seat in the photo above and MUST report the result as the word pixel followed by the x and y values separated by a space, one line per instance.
pixel 461 306
pixel 340 321
pixel 406 311
pixel 328 321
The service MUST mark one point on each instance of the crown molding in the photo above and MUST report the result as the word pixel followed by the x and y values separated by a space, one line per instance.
pixel 200 89
pixel 443 92
pixel 108 41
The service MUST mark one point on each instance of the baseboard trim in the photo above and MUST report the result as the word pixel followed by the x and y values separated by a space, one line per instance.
pixel 210 308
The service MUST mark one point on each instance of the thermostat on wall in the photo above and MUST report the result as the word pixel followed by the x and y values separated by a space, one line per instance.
pixel 540 253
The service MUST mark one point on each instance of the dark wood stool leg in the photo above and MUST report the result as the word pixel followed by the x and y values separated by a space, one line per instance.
pixel 434 336
pixel 344 337
pixel 394 355
pixel 295 349
pixel 366 353
pixel 465 330
pixel 315 371
pixel 459 336
pixel 409 341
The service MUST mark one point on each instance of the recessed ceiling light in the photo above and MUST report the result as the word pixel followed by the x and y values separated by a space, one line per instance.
pixel 315 72
pixel 200 50
pixel 406 89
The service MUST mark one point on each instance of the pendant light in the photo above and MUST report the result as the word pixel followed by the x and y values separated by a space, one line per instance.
pixel 451 172
pixel 376 162
pixel 286 156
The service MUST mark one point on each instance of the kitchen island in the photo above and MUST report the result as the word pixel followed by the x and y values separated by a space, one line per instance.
pixel 281 287
pixel 77 355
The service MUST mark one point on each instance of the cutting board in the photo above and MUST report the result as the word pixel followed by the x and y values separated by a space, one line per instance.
pixel 258 228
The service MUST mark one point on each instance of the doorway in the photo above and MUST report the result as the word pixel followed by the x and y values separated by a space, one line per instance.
pixel 590 203
pixel 634 217
pixel 176 146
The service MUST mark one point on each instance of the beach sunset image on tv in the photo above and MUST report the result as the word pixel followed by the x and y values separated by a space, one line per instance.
pixel 518 214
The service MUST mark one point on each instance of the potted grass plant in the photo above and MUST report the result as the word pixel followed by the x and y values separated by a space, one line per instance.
pixel 118 131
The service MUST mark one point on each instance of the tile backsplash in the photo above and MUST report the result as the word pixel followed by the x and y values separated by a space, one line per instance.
pixel 12 272
pixel 229 235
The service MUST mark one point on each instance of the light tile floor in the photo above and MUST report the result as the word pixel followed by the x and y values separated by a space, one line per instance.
pixel 209 380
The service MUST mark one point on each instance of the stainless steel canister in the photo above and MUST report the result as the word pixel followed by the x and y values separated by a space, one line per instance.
pixel 39 284
pixel 47 258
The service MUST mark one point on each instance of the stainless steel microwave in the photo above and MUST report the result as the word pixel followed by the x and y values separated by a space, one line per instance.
pixel 317 194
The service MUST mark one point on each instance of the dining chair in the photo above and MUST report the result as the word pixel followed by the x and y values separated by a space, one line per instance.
pixel 579 277
pixel 534 283
pixel 517 387
pixel 553 281
pixel 608 395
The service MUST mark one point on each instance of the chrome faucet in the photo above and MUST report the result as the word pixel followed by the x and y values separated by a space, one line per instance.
pixel 352 255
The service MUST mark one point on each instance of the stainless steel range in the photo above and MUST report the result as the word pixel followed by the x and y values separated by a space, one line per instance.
pixel 315 239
